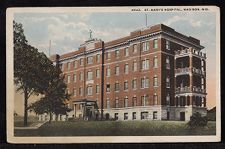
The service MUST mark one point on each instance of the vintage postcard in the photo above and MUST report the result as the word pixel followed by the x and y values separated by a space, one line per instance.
pixel 113 74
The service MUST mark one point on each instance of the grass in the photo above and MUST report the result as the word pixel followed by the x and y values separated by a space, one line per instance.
pixel 118 128
pixel 18 121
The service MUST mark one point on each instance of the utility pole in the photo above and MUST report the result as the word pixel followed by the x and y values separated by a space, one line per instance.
pixel 49 48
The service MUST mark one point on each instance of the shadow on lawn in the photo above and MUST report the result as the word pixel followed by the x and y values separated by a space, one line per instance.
pixel 118 128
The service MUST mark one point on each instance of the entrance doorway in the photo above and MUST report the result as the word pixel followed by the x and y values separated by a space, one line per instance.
pixel 168 115
pixel 182 116
pixel 107 116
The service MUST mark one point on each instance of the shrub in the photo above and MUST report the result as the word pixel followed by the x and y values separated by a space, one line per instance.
pixel 196 120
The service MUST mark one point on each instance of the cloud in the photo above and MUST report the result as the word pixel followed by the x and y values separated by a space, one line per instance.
pixel 188 19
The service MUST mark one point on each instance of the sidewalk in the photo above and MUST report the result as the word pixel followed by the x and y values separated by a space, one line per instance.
pixel 33 126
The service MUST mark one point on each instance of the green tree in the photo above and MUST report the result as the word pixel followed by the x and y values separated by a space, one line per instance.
pixel 55 96
pixel 25 62
pixel 33 71
pixel 196 120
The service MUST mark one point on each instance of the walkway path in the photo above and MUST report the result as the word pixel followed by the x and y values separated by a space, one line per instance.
pixel 32 126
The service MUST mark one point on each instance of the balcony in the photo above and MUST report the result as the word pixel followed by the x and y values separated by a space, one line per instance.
pixel 187 51
pixel 187 89
pixel 182 71
pixel 187 70
pixel 198 71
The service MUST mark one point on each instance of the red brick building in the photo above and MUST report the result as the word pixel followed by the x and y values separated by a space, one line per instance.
pixel 153 73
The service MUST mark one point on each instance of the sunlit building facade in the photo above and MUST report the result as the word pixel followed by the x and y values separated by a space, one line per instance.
pixel 154 73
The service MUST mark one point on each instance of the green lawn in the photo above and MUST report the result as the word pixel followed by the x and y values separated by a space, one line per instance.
pixel 18 121
pixel 118 128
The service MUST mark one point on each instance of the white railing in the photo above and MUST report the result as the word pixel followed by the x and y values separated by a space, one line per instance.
pixel 187 89
pixel 188 51
pixel 186 70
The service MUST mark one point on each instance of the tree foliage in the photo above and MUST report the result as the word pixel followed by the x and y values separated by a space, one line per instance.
pixel 35 74
pixel 196 120
pixel 55 96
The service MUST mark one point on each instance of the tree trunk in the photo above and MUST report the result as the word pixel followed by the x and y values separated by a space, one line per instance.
pixel 50 119
pixel 25 106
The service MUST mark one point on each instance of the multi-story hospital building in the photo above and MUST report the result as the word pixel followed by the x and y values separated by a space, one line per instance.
pixel 154 73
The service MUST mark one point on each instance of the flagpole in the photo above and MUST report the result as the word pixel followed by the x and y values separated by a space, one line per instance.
pixel 146 20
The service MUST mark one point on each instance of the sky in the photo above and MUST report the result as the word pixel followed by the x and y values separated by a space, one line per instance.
pixel 67 31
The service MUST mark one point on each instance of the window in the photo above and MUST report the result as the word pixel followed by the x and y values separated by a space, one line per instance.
pixel 117 53
pixel 116 116
pixel 68 66
pixel 89 75
pixel 126 69
pixel 80 91
pixel 144 115
pixel 134 101
pixel 145 64
pixel 134 66
pixel 74 78
pixel 125 116
pixel 147 83
pixel 89 60
pixel 98 58
pixel 155 99
pixel 167 62
pixel 155 43
pixel 126 102
pixel 107 103
pixel 117 70
pixel 142 83
pixel 144 101
pixel 155 115
pixel 155 81
pixel 107 87
pixel 134 48
pixel 168 99
pixel 97 89
pixel 117 86
pixel 117 103
pixel 155 62
pixel 97 73
pixel 81 76
pixel 108 72
pixel 134 115
pixel 126 85
pixel 126 52
pixel 108 55
pixel 74 92
pixel 68 79
pixel 134 83
pixel 167 82
pixel 167 45
pixel 81 61
pixel 75 64
pixel 145 46
pixel 89 90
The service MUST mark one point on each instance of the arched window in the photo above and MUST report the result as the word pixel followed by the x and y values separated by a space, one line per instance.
pixel 108 103
pixel 168 99
pixel 126 102
pixel 155 99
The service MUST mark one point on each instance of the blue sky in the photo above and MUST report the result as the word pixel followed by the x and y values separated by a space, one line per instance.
pixel 68 30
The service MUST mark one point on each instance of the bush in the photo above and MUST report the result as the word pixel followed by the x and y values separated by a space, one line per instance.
pixel 196 120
